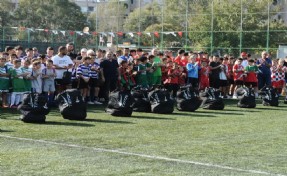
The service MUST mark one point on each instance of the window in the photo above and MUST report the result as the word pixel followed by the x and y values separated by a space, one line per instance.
pixel 91 9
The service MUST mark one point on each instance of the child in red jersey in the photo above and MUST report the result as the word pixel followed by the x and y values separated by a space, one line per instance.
pixel 172 79
pixel 238 71
pixel 251 80
pixel 204 76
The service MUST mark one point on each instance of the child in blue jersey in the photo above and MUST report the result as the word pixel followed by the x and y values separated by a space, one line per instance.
pixel 83 74
pixel 94 82
pixel 192 70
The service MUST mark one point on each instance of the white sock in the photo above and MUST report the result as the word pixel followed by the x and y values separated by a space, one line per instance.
pixel 13 97
pixel 17 99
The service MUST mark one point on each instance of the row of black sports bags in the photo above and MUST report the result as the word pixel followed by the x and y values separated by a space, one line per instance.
pixel 122 103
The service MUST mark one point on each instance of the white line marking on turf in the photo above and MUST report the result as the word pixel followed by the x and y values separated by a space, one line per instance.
pixel 145 156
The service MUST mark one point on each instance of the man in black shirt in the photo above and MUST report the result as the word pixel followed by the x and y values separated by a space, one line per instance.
pixel 111 74
pixel 215 70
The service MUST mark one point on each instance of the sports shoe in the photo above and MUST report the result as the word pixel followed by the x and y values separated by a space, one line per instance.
pixel 13 106
pixel 90 103
pixel 234 97
pixel 97 103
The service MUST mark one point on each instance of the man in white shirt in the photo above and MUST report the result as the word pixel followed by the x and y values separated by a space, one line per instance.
pixel 62 63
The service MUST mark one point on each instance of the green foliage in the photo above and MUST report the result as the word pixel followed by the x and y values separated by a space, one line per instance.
pixel 6 15
pixel 51 14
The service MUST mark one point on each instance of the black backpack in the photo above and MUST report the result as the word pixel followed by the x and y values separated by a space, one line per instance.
pixel 246 97
pixel 188 99
pixel 34 108
pixel 270 96
pixel 211 99
pixel 71 105
pixel 161 101
pixel 120 103
pixel 141 101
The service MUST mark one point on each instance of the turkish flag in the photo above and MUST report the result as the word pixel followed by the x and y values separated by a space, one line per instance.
pixel 156 34
pixel 120 33
pixel 180 33
pixel 72 32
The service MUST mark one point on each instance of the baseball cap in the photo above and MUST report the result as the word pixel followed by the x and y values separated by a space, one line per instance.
pixel 243 54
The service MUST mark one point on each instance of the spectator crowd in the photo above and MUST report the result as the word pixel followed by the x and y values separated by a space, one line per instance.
pixel 97 73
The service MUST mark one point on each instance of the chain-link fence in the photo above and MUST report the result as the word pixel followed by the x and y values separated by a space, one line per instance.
pixel 214 26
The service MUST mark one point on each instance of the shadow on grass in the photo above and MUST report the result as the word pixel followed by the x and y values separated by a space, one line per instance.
pixel 5 131
pixel 68 124
pixel 191 114
pixel 221 112
pixel 152 117
pixel 107 121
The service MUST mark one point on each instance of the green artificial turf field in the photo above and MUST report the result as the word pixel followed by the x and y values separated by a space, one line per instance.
pixel 230 142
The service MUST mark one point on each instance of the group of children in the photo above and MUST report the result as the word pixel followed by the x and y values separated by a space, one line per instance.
pixel 22 76
pixel 18 76
pixel 226 73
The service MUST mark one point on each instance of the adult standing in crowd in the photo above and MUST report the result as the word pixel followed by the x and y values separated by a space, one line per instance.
pixel 111 74
pixel 71 50
pixel 62 63
pixel 215 67
pixel 264 75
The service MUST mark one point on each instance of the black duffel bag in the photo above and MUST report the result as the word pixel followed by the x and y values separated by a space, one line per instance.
pixel 211 99
pixel 120 103
pixel 71 105
pixel 188 99
pixel 161 101
pixel 246 97
pixel 33 108
pixel 269 96
pixel 141 101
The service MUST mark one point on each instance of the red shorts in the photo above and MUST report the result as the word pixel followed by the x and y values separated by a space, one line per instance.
pixel 278 84
pixel 203 84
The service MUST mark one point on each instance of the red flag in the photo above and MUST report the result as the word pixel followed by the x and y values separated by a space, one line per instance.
pixel 120 33
pixel 180 33
pixel 94 33
pixel 156 34
pixel 72 32
pixel 139 33
pixel 46 30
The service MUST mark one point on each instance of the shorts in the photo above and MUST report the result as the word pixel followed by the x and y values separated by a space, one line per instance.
pixel 278 84
pixel 193 81
pixel 203 84
pixel 238 82
pixel 253 84
pixel 223 83
pixel 93 82
pixel 83 84
pixel 49 86
pixel 230 81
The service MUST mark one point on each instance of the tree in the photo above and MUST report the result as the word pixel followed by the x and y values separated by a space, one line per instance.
pixel 51 14
pixel 6 16
pixel 223 28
